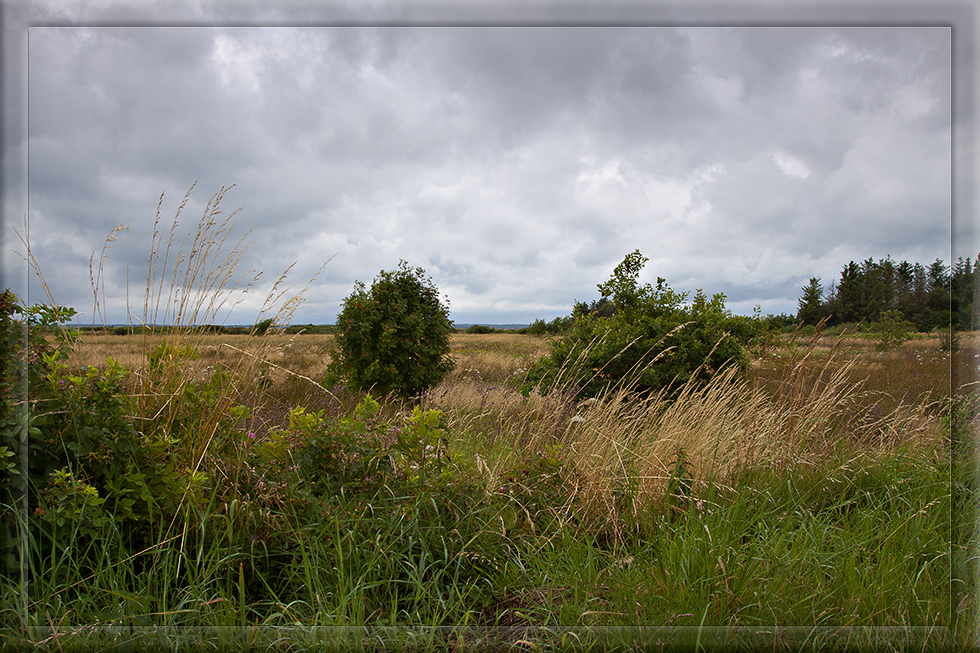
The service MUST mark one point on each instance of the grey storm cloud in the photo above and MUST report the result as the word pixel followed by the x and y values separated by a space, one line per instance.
pixel 517 165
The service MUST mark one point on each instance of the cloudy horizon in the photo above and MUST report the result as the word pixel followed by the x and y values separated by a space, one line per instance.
pixel 517 166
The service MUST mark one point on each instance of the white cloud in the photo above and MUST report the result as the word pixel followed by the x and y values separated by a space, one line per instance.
pixel 790 165
pixel 596 176
pixel 239 64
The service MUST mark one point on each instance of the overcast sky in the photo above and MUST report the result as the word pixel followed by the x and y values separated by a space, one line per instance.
pixel 516 165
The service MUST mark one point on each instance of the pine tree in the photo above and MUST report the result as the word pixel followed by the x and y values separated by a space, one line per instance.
pixel 889 283
pixel 850 294
pixel 903 286
pixel 917 305
pixel 938 296
pixel 961 292
pixel 811 304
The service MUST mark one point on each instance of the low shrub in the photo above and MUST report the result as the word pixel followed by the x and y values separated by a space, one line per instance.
pixel 891 331
pixel 557 326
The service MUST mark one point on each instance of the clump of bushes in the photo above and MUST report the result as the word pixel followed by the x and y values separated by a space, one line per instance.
pixel 540 328
pixel 479 329
pixel 651 341
pixel 890 331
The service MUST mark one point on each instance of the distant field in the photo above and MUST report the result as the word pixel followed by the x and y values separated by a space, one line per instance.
pixel 916 366
pixel 494 355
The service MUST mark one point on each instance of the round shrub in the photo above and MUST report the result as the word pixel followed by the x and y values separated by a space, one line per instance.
pixel 393 338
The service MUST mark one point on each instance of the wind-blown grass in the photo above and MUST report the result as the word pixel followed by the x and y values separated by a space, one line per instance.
pixel 787 509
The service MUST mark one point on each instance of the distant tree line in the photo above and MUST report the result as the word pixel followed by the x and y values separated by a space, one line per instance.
pixel 930 297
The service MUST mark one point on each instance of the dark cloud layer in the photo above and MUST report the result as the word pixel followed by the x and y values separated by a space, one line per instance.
pixel 517 165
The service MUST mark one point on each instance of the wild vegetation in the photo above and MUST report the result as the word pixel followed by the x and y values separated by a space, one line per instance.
pixel 197 489
pixel 651 340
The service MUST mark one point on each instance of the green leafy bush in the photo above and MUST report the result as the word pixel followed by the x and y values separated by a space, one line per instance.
pixel 393 338
pixel 652 341
pixel 71 458
pixel 261 328
pixel 537 328
pixel 82 431
pixel 26 356
pixel 345 456
pixel 423 439
pixel 891 331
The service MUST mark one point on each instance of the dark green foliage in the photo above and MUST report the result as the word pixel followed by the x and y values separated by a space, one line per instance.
pixel 394 338
pixel 653 340
pixel 262 327
pixel 781 322
pixel 345 456
pixel 479 329
pixel 537 328
pixel 890 331
pixel 84 447
pixel 310 329
pixel 25 360
pixel 73 461
pixel 963 287
pixel 540 328
pixel 811 304
pixel 930 297
pixel 600 308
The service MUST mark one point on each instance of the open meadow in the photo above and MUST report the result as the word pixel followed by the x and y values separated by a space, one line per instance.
pixel 823 500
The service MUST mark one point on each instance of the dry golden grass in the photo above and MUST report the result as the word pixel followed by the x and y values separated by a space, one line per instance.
pixel 814 410
pixel 797 408
pixel 509 344
pixel 494 356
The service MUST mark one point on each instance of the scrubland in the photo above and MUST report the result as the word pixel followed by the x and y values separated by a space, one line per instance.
pixel 824 500
pixel 205 491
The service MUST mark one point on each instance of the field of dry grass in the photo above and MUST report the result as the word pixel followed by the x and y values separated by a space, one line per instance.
pixel 909 371
pixel 493 356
